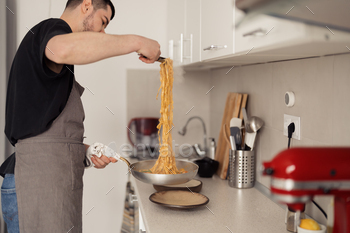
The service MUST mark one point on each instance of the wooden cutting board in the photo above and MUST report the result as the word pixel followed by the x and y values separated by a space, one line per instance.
pixel 232 109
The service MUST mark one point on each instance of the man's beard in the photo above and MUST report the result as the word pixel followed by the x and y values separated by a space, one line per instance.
pixel 88 23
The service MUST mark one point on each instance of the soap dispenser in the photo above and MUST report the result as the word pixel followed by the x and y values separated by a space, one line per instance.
pixel 212 148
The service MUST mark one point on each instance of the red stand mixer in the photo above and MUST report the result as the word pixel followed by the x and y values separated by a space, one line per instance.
pixel 298 174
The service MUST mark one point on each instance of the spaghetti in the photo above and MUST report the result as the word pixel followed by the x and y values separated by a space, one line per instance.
pixel 166 162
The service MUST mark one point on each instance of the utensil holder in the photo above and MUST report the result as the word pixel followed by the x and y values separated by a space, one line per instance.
pixel 241 169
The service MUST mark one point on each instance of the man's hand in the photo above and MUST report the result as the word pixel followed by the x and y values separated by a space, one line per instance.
pixel 103 161
pixel 149 51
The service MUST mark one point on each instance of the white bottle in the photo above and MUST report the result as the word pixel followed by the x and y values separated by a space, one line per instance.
pixel 212 148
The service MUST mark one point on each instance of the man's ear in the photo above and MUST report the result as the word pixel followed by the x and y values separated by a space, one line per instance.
pixel 86 6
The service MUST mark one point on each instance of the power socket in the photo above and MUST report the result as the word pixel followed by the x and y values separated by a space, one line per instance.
pixel 289 119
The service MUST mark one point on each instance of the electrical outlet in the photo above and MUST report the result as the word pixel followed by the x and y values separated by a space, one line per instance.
pixel 289 119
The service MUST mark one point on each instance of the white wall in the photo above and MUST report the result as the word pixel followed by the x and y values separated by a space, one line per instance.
pixel 107 82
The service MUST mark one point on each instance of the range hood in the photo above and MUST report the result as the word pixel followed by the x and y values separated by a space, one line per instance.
pixel 331 13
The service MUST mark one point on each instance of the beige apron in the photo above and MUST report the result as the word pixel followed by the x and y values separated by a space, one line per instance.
pixel 49 173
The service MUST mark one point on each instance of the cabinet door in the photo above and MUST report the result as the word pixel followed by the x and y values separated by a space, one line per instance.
pixel 176 27
pixel 191 43
pixel 264 32
pixel 217 28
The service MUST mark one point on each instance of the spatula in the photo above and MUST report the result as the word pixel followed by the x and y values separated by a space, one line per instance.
pixel 235 131
pixel 250 140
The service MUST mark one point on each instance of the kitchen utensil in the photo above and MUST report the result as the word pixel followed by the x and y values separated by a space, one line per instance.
pixel 243 105
pixel 246 121
pixel 242 169
pixel 158 179
pixel 207 167
pixel 160 59
pixel 255 123
pixel 192 185
pixel 235 130
pixel 243 133
pixel 250 140
pixel 233 143
pixel 163 179
pixel 179 199
pixel 232 109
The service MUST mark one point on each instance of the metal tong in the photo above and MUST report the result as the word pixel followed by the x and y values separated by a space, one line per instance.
pixel 160 59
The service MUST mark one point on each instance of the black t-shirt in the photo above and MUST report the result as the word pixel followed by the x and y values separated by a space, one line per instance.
pixel 35 94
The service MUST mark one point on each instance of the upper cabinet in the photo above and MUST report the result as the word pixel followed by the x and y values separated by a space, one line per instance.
pixel 184 31
pixel 217 28
pixel 200 30
pixel 207 33
pixel 192 35
pixel 176 27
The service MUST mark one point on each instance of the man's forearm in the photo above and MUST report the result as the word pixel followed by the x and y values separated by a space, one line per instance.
pixel 88 47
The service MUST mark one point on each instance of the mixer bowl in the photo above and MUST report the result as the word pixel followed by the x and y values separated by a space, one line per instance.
pixel 164 179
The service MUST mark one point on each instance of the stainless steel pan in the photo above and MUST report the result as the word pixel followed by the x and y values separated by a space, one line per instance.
pixel 163 179
pixel 136 168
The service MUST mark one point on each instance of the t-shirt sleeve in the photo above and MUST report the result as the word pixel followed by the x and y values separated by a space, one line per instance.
pixel 51 28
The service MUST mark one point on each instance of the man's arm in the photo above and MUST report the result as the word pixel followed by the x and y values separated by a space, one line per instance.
pixel 87 47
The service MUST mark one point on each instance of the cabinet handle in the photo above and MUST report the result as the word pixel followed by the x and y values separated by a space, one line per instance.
pixel 182 41
pixel 191 48
pixel 181 48
pixel 132 197
pixel 171 49
pixel 141 231
pixel 256 32
pixel 215 47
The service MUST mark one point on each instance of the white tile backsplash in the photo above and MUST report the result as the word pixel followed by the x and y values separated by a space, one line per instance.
pixel 340 113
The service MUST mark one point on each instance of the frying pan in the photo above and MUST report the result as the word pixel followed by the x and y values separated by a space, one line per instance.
pixel 136 168
pixel 163 179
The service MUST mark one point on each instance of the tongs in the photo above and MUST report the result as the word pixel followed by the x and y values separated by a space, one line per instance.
pixel 160 59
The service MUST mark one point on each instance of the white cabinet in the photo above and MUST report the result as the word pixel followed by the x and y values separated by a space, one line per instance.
pixel 217 28
pixel 176 27
pixel 192 36
pixel 184 31
pixel 200 30
pixel 263 31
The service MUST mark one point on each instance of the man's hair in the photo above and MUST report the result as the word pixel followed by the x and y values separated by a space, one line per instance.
pixel 98 4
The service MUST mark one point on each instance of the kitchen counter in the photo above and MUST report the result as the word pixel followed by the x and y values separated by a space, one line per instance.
pixel 228 210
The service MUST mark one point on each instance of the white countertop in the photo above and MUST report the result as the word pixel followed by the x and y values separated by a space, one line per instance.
pixel 229 210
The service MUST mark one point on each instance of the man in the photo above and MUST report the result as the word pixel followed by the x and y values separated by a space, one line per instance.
pixel 44 116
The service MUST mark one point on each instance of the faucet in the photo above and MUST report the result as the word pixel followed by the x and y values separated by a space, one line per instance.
pixel 196 146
